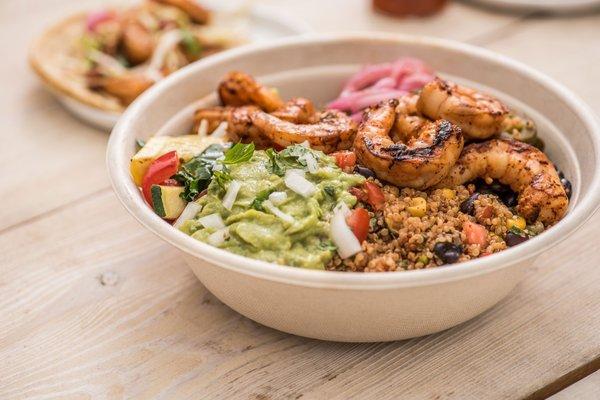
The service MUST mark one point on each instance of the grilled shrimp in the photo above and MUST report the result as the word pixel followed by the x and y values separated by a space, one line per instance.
pixel 523 167
pixel 298 111
pixel 296 122
pixel 137 42
pixel 332 130
pixel 195 11
pixel 408 120
pixel 126 87
pixel 422 161
pixel 478 115
pixel 240 89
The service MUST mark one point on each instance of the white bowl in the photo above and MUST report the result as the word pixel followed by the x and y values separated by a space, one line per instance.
pixel 363 306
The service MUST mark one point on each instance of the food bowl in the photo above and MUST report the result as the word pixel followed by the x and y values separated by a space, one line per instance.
pixel 362 307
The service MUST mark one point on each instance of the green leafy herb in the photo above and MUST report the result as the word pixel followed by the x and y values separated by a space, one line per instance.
pixel 276 165
pixel 330 191
pixel 139 143
pixel 516 231
pixel 291 157
pixel 123 61
pixel 222 178
pixel 196 174
pixel 90 43
pixel 327 245
pixel 190 43
pixel 260 198
pixel 239 153
pixel 295 154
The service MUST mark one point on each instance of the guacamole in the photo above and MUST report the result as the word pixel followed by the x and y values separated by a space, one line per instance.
pixel 270 221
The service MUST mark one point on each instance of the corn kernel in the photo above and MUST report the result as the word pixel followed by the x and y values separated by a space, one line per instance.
pixel 417 207
pixel 516 222
pixel 449 193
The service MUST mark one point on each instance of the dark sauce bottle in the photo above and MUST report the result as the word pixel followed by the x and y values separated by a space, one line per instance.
pixel 404 8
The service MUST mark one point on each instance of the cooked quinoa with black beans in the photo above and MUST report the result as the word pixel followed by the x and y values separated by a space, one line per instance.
pixel 425 229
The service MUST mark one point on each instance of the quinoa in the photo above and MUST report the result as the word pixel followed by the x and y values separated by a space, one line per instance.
pixel 401 238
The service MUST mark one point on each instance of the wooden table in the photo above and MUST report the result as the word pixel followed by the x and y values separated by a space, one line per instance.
pixel 94 306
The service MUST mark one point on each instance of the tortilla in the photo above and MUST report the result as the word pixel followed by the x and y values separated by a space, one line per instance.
pixel 58 58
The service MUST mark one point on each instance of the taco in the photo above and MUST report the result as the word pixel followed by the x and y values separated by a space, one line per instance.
pixel 105 59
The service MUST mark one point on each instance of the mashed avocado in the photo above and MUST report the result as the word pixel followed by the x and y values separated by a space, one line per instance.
pixel 254 230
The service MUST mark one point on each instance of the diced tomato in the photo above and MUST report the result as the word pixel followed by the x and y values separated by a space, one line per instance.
pixel 344 159
pixel 375 195
pixel 159 171
pixel 359 193
pixel 485 213
pixel 358 221
pixel 475 234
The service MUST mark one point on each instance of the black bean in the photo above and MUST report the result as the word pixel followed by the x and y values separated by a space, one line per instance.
pixel 448 252
pixel 513 239
pixel 509 198
pixel 503 192
pixel 364 171
pixel 468 206
pixel 567 185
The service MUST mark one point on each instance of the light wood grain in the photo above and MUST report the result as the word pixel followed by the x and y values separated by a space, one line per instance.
pixel 69 332
pixel 587 388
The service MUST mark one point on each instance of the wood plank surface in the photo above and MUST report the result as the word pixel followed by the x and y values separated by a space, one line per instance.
pixel 587 388
pixel 94 306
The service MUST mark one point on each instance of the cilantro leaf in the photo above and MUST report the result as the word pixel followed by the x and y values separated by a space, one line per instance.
pixel 327 245
pixel 260 198
pixel 196 173
pixel 295 154
pixel 191 43
pixel 277 166
pixel 222 177
pixel 239 153
pixel 329 190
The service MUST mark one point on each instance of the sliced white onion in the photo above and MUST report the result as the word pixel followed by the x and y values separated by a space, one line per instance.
pixel 305 144
pixel 191 209
pixel 278 198
pixel 231 194
pixel 218 167
pixel 311 162
pixel 213 221
pixel 295 171
pixel 166 43
pixel 343 237
pixel 341 207
pixel 220 130
pixel 267 205
pixel 219 237
pixel 203 127
pixel 110 64
pixel 298 183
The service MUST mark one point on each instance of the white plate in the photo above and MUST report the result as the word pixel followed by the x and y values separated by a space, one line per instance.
pixel 264 24
pixel 551 6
